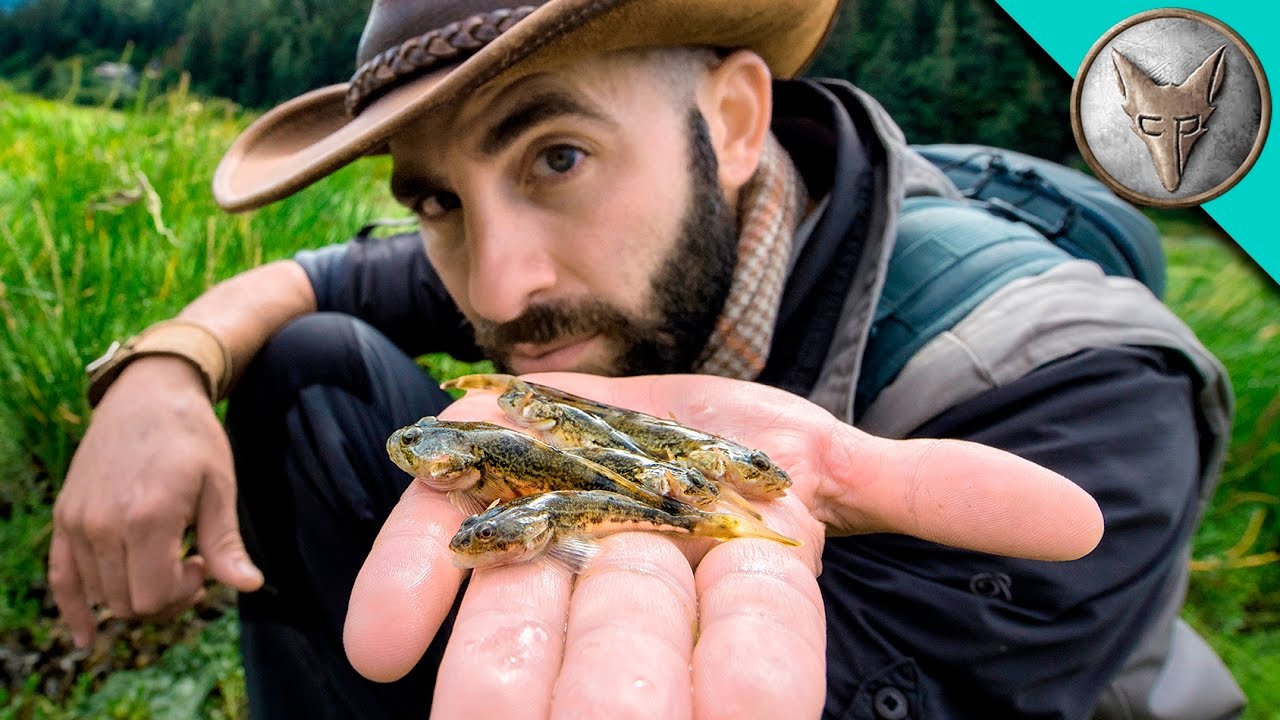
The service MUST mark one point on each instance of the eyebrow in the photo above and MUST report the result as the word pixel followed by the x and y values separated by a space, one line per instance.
pixel 532 111
pixel 528 113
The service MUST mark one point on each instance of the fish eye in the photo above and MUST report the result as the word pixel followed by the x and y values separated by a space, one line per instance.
pixel 485 532
pixel 411 436
pixel 760 462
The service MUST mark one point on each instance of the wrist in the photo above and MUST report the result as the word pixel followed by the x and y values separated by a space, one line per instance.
pixel 194 344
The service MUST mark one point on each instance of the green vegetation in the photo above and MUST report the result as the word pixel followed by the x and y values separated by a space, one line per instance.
pixel 255 52
pixel 106 225
pixel 953 70
pixel 1235 592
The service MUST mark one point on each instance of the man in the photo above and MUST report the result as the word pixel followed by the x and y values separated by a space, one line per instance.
pixel 621 188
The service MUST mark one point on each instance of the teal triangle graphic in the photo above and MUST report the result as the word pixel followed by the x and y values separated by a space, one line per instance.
pixel 1068 30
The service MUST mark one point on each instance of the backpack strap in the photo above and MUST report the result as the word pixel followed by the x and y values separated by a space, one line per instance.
pixel 950 255
pixel 1033 320
pixel 1074 211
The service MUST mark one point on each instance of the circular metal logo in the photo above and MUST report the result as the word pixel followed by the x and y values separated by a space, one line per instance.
pixel 1170 108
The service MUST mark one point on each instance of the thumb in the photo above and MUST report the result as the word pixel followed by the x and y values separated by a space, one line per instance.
pixel 218 536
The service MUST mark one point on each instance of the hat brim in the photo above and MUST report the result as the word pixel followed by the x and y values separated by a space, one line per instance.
pixel 311 136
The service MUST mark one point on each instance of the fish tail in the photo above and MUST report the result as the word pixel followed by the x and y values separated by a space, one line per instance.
pixel 480 381
pixel 723 526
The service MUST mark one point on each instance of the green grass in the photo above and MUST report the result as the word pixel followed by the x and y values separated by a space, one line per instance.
pixel 1234 597
pixel 106 225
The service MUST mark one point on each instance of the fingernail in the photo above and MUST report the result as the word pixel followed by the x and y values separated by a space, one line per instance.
pixel 80 639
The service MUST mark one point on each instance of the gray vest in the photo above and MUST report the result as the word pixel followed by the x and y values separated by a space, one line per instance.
pixel 1172 674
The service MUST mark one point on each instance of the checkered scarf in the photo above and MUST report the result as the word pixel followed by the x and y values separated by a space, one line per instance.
pixel 770 207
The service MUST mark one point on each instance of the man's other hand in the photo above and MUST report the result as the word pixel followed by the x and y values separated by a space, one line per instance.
pixel 656 628
pixel 154 462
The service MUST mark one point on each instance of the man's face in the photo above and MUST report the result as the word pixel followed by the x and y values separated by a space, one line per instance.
pixel 576 218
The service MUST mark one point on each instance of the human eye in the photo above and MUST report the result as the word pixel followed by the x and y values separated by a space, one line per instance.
pixel 558 160
pixel 435 205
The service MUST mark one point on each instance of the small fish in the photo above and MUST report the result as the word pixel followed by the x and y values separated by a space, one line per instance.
pixel 676 481
pixel 478 463
pixel 749 472
pixel 560 424
pixel 562 527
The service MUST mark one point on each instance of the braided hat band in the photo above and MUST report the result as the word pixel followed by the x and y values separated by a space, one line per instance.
pixel 418 55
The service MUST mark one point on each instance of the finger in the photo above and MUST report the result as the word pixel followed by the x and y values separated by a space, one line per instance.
pixel 113 575
pixel 632 624
pixel 156 573
pixel 405 588
pixel 68 593
pixel 86 562
pixel 218 536
pixel 190 590
pixel 762 651
pixel 476 405
pixel 505 649
pixel 956 493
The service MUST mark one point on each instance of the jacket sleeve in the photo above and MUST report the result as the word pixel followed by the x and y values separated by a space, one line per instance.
pixel 918 630
pixel 390 284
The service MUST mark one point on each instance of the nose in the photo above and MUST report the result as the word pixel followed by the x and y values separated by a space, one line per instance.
pixel 511 259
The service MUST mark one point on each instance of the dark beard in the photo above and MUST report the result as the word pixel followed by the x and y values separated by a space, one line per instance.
pixel 688 290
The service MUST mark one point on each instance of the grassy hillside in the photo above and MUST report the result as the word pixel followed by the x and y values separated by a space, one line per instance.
pixel 106 225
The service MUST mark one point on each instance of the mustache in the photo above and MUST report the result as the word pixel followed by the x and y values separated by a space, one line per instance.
pixel 552 320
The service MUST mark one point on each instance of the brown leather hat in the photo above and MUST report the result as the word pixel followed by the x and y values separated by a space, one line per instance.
pixel 416 55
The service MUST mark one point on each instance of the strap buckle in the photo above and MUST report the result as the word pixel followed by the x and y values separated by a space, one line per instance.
pixel 106 357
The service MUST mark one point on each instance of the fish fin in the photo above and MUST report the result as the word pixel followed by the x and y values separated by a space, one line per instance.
pixel 715 464
pixel 669 482
pixel 727 527
pixel 479 381
pixel 467 502
pixel 673 506
pixel 633 488
pixel 737 502
pixel 573 552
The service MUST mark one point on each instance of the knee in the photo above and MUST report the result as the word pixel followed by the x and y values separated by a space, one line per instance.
pixel 335 351
pixel 316 349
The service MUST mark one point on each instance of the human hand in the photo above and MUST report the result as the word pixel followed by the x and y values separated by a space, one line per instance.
pixel 153 461
pixel 653 629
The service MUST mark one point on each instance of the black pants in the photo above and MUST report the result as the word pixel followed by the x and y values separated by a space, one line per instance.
pixel 308 424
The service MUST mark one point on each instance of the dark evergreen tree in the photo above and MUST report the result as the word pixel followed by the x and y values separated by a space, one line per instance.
pixel 948 70
pixel 953 71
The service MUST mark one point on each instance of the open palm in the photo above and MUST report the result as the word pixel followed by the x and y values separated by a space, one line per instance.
pixel 659 628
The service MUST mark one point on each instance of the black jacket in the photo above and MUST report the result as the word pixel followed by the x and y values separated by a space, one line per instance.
pixel 917 630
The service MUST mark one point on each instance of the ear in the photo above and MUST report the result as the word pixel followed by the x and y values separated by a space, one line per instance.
pixel 736 98
pixel 1206 80
pixel 1128 75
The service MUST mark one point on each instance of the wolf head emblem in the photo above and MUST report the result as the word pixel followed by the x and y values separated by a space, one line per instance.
pixel 1170 118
